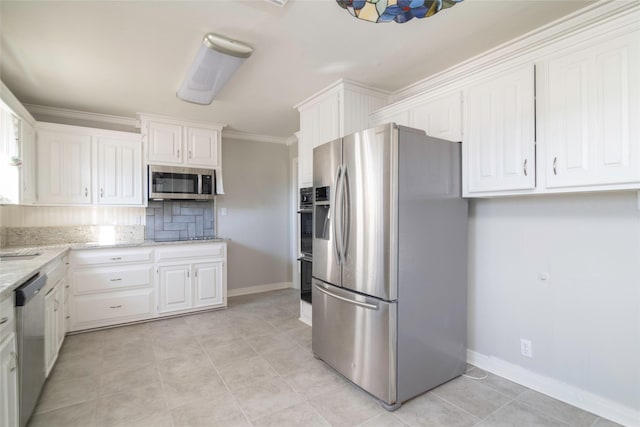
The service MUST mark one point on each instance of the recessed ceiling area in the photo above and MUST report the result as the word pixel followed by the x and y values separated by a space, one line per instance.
pixel 125 57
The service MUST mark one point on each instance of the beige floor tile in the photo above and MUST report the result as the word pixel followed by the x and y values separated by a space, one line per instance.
pixel 89 342
pixel 219 410
pixel 222 337
pixel 346 407
pixel 315 381
pixel 174 327
pixel 161 419
pixel 497 383
pixel 519 414
pixel 185 367
pixel 602 422
pixel 245 372
pixel 429 410
pixel 127 379
pixel 60 393
pixel 251 328
pixel 277 342
pixel 384 420
pixel 128 356
pixel 181 391
pixel 556 409
pixel 265 397
pixel 302 336
pixel 79 415
pixel 291 361
pixel 224 354
pixel 167 347
pixel 122 409
pixel 300 415
pixel 77 366
pixel 471 396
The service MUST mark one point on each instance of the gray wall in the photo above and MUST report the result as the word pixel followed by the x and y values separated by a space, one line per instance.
pixel 256 186
pixel 584 321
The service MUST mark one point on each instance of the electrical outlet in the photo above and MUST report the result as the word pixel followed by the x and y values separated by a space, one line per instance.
pixel 526 348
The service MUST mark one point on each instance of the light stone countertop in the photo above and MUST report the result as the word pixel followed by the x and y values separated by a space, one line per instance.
pixel 16 272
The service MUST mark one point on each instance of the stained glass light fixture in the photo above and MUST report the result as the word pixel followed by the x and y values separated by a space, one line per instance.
pixel 394 10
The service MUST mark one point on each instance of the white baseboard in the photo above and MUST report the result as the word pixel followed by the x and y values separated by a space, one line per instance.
pixel 567 393
pixel 258 288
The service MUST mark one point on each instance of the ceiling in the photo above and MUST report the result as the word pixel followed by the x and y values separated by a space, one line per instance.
pixel 124 57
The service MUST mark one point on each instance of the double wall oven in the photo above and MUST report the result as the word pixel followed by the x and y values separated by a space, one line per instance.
pixel 306 239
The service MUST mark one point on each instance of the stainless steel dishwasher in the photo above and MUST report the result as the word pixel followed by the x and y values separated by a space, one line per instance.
pixel 30 326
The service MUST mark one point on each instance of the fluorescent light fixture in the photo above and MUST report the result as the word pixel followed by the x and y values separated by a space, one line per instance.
pixel 218 58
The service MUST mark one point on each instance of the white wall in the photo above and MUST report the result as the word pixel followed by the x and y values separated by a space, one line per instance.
pixel 256 185
pixel 584 322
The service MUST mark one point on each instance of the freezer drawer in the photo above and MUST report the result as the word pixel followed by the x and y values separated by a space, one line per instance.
pixel 356 335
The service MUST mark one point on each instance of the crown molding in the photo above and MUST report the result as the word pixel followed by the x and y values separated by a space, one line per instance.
pixel 596 15
pixel 246 136
pixel 10 100
pixel 81 115
pixel 337 86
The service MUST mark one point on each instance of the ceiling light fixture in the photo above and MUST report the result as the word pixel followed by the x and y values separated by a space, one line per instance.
pixel 218 58
pixel 394 10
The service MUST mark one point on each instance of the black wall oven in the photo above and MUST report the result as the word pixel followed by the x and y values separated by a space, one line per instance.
pixel 306 239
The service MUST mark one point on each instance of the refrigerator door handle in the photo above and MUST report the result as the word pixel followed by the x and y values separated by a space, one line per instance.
pixel 358 303
pixel 346 212
pixel 337 214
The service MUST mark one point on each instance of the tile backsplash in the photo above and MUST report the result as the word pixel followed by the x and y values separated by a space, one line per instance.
pixel 180 220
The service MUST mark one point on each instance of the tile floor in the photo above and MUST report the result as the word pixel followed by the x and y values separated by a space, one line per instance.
pixel 251 365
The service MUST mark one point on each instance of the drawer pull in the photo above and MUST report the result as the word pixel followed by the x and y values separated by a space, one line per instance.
pixel 115 280
pixel 115 258
pixel 115 306
pixel 15 358
pixel 66 286
pixel 4 320
pixel 67 317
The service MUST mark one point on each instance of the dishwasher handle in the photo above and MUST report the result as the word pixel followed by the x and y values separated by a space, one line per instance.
pixel 30 289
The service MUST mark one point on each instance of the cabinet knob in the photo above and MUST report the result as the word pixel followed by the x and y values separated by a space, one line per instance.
pixel 555 164
pixel 189 154
pixel 524 167
pixel 86 191
pixel 115 306
pixel 116 279
pixel 15 359
pixel 102 192
pixel 4 320
pixel 115 258
pixel 178 154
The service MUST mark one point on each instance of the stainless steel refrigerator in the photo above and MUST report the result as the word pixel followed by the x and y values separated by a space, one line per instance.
pixel 390 261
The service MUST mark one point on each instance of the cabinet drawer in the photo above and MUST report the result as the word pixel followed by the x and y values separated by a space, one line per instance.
pixel 111 256
pixel 111 308
pixel 7 317
pixel 180 252
pixel 112 278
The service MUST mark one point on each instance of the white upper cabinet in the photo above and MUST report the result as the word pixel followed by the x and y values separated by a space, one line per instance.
pixel 174 142
pixel 440 118
pixel 590 121
pixel 28 183
pixel 165 142
pixel 64 168
pixel 82 166
pixel 336 111
pixel 119 171
pixel 499 141
pixel 203 146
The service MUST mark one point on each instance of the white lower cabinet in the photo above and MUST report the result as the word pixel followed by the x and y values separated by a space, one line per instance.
pixel 9 381
pixel 8 365
pixel 121 285
pixel 111 286
pixel 54 310
pixel 199 283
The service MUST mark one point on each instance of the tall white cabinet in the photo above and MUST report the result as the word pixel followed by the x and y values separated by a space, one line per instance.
pixel 336 111
pixel 119 170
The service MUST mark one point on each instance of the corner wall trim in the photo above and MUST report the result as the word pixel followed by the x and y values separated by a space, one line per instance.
pixel 564 392
pixel 258 288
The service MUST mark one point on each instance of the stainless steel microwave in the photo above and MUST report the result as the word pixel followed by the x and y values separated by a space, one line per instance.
pixel 170 182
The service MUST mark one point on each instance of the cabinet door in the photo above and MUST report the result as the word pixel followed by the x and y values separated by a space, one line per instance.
pixel 175 287
pixel 440 118
pixel 202 147
pixel 305 149
pixel 9 157
pixel 64 168
pixel 60 314
pixel 592 104
pixel 51 305
pixel 165 143
pixel 28 168
pixel 499 143
pixel 327 119
pixel 208 280
pixel 119 172
pixel 9 382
